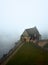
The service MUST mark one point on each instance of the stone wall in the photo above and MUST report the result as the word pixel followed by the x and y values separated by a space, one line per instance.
pixel 42 43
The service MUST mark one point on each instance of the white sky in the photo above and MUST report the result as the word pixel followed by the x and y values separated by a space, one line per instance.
pixel 17 15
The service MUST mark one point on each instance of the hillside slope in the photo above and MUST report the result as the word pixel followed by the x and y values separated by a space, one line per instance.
pixel 29 54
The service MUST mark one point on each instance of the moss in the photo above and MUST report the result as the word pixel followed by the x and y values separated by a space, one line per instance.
pixel 29 54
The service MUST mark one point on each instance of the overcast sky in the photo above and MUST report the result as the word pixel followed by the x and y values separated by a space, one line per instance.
pixel 17 15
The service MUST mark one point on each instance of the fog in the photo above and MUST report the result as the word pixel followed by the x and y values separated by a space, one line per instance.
pixel 18 15
pixel 7 42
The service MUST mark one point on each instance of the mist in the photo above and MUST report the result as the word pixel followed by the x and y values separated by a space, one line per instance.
pixel 7 42
pixel 18 15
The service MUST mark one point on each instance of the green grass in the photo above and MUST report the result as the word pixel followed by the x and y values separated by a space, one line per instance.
pixel 29 54
pixel 46 46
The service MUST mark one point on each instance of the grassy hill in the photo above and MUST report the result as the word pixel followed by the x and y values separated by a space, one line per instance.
pixel 29 54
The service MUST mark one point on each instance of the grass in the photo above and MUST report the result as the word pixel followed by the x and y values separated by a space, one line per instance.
pixel 29 54
pixel 46 46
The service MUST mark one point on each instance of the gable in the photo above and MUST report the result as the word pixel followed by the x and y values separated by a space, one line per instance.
pixel 32 31
pixel 25 33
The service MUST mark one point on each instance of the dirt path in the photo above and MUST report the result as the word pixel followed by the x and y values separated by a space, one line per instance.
pixel 5 62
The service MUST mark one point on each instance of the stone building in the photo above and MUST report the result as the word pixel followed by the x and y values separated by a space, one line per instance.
pixel 31 34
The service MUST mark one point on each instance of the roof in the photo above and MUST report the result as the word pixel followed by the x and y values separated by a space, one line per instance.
pixel 32 31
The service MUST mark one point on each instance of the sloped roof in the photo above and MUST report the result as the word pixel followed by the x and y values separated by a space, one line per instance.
pixel 32 31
